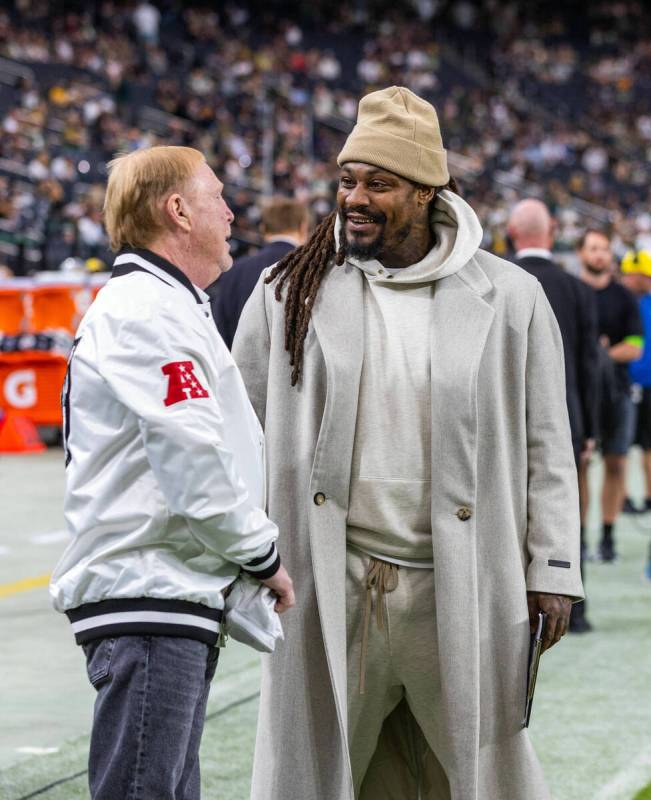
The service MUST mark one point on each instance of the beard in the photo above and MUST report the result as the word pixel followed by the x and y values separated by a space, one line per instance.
pixel 594 270
pixel 364 251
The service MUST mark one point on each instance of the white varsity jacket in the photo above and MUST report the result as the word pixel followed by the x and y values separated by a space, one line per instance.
pixel 164 463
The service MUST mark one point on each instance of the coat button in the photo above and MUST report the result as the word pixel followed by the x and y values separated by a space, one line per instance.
pixel 464 513
pixel 319 498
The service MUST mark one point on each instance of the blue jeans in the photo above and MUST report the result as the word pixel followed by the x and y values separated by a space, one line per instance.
pixel 149 715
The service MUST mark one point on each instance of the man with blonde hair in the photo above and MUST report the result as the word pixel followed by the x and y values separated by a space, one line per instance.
pixel 165 479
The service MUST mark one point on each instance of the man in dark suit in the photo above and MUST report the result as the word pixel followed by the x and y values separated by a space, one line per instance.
pixel 284 224
pixel 531 229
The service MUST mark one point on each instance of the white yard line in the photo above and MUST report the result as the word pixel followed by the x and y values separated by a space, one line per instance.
pixel 51 537
pixel 629 780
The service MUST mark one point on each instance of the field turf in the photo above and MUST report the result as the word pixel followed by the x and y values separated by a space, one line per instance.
pixel 591 721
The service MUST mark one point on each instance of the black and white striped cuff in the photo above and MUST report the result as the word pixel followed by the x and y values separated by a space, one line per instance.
pixel 266 566
pixel 145 616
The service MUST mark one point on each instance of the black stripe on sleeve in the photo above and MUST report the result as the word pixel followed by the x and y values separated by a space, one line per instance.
pixel 261 559
pixel 554 563
pixel 265 566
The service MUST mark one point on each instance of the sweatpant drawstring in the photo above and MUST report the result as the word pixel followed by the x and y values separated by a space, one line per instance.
pixel 383 577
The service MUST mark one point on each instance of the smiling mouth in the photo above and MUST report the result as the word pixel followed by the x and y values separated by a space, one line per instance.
pixel 361 224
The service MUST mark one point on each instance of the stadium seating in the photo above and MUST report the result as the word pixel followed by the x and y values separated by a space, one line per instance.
pixel 531 103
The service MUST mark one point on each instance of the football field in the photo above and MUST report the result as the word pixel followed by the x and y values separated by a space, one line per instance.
pixel 591 722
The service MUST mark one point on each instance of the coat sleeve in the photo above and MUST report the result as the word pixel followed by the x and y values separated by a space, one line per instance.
pixel 552 488
pixel 251 348
pixel 183 437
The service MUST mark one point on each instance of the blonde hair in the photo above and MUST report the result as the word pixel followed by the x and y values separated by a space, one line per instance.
pixel 138 183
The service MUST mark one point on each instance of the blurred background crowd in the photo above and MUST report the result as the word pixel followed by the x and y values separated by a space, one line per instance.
pixel 545 101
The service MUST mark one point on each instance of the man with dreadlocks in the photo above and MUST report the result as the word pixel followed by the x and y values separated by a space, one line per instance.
pixel 420 464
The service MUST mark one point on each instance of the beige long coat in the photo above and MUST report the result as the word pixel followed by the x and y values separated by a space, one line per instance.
pixel 500 447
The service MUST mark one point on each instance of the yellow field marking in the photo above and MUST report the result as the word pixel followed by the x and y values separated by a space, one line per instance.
pixel 7 589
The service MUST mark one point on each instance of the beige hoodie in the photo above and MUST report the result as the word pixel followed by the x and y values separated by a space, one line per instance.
pixel 390 508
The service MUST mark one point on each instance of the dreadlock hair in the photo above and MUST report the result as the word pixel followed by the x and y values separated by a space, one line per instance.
pixel 303 270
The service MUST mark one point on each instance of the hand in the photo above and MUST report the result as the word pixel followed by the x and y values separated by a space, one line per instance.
pixel 281 585
pixel 588 450
pixel 557 607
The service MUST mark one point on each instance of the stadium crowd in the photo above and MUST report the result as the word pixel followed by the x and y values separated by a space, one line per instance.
pixel 531 103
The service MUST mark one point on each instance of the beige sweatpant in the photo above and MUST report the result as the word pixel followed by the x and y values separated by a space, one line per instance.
pixel 397 747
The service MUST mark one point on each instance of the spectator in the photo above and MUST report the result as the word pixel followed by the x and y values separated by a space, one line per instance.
pixel 636 268
pixel 91 237
pixel 636 276
pixel 146 18
pixel 621 337
pixel 529 110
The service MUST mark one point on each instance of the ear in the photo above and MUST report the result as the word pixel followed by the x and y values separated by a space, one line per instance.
pixel 425 194
pixel 177 213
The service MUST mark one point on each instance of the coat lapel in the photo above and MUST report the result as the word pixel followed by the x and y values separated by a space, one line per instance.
pixel 339 326
pixel 461 323
pixel 338 320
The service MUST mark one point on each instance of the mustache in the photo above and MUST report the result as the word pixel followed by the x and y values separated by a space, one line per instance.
pixel 594 270
pixel 377 216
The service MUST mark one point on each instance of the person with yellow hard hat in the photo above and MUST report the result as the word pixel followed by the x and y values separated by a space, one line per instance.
pixel 636 276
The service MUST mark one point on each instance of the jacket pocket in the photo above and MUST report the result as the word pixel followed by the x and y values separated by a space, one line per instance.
pixel 98 659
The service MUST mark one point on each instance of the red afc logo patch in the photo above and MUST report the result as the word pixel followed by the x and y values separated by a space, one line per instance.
pixel 183 383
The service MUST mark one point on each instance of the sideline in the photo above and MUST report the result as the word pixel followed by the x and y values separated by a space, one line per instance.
pixel 24 585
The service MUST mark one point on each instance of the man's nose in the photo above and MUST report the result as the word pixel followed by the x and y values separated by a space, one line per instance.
pixel 358 196
pixel 229 215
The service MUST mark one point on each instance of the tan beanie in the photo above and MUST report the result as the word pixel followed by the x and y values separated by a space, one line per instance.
pixel 398 131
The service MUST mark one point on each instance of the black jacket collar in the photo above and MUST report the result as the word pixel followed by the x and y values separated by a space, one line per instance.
pixel 160 262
